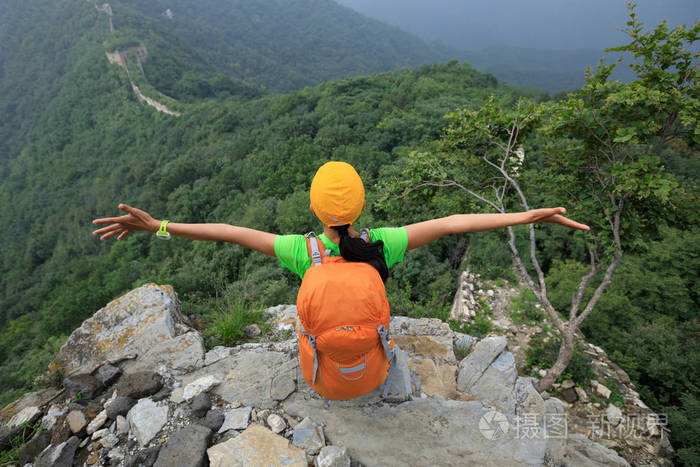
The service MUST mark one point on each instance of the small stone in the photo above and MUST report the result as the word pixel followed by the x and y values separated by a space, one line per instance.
pixel 185 448
pixel 97 422
pixel 213 420
pixel 116 454
pixel 50 419
pixel 99 434
pixel 216 354
pixel 542 373
pixel 601 390
pixel 122 425
pixel 140 384
pixel 200 405
pixel 566 384
pixel 309 436
pixel 109 441
pixel 120 406
pixel 93 458
pixel 108 373
pixel 582 396
pixel 569 395
pixel 199 386
pixel 144 458
pixel 332 456
pixel 252 331
pixel 86 385
pixel 76 420
pixel 61 431
pixel 236 419
pixel 276 423
pixel 146 419
pixel 60 455
pixel 613 414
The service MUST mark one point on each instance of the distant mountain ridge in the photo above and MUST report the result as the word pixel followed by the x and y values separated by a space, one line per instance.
pixel 287 44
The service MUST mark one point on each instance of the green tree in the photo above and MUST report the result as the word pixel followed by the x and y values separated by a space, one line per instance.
pixel 603 147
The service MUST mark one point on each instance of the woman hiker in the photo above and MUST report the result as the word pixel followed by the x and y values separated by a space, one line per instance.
pixel 345 347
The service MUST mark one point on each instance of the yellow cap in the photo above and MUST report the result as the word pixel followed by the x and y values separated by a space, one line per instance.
pixel 337 194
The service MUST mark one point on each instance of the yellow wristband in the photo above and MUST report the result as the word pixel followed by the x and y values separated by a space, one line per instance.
pixel 162 232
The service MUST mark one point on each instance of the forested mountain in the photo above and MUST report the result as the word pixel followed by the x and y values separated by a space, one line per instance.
pixel 77 139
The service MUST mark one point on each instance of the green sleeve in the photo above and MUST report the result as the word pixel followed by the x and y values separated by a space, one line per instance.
pixel 292 253
pixel 395 242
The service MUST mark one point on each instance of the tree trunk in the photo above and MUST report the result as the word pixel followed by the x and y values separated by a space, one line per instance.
pixel 566 351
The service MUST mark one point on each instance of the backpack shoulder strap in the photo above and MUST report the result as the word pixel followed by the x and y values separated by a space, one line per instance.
pixel 364 234
pixel 313 242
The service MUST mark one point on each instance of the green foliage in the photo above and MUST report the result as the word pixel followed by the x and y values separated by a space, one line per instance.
pixel 525 308
pixel 684 423
pixel 480 326
pixel 10 455
pixel 543 350
pixel 227 321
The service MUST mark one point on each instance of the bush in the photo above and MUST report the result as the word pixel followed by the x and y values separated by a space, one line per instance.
pixel 226 325
pixel 543 352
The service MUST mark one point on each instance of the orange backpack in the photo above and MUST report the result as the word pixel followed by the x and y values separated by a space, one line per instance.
pixel 345 348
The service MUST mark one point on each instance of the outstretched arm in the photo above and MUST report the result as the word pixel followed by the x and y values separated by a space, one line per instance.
pixel 136 219
pixel 425 232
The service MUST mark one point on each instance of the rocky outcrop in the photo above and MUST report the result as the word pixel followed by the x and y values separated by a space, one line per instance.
pixel 146 322
pixel 249 405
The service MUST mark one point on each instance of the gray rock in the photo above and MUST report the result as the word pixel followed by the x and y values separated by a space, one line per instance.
pixel 584 452
pixel 34 447
pixel 58 456
pixel 120 406
pixel 51 417
pixel 236 419
pixel 527 399
pixel 140 384
pixel 276 423
pixel 309 436
pixel 144 458
pixel 567 384
pixel 569 395
pixel 61 431
pixel 200 385
pixel 122 425
pixel 200 405
pixel 216 354
pixel 76 420
pixel 109 441
pixel 401 325
pixel 253 376
pixel 146 419
pixel 213 420
pixel 462 342
pixel 186 448
pixel 256 446
pixel 107 374
pixel 32 399
pixel 442 432
pixel 147 322
pixel 252 331
pixel 613 414
pixel 476 363
pixel 497 384
pixel 332 456
pixel 26 415
pixel 400 388
pixel 97 422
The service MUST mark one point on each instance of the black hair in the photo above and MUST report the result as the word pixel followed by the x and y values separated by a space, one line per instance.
pixel 359 251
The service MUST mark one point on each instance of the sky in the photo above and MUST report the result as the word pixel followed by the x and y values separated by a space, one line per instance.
pixel 544 24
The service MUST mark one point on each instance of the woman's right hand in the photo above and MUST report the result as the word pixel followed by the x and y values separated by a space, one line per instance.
pixel 135 219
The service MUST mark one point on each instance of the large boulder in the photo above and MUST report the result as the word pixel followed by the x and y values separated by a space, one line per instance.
pixel 28 406
pixel 418 432
pixel 254 376
pixel 147 322
pixel 186 448
pixel 256 446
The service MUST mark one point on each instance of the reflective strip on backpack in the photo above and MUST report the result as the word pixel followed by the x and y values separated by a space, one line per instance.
pixel 364 234
pixel 361 367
